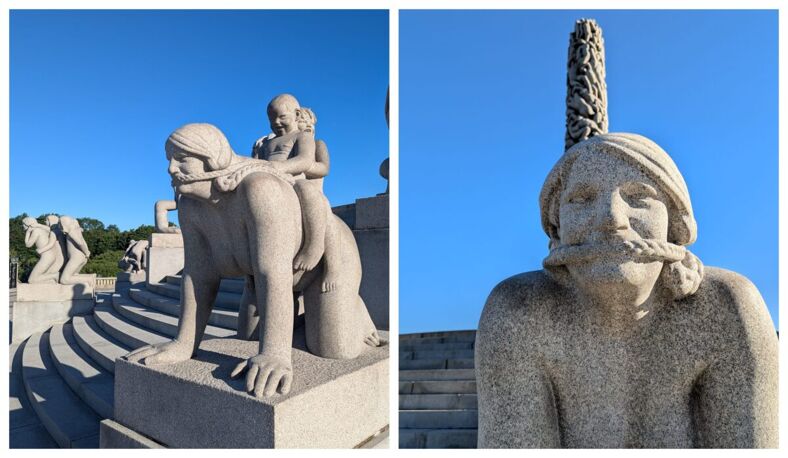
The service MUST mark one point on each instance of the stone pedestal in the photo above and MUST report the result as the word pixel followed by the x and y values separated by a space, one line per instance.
pixel 369 220
pixel 165 256
pixel 195 404
pixel 39 306
pixel 128 278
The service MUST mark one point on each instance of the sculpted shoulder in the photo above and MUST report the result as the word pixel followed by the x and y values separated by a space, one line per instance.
pixel 516 302
pixel 731 301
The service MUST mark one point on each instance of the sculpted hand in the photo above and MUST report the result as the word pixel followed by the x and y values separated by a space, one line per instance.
pixel 164 353
pixel 265 374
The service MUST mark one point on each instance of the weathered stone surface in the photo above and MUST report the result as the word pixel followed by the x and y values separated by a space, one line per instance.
pixel 166 240
pixel 586 91
pixel 163 261
pixel 373 247
pixel 31 317
pixel 26 292
pixel 624 339
pixel 195 403
pixel 130 277
pixel 114 435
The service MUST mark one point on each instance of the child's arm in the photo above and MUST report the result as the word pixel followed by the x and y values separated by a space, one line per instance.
pixel 303 156
pixel 321 166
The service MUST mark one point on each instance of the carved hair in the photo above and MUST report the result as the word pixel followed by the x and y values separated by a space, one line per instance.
pixel 681 277
pixel 205 141
pixel 308 118
pixel 29 221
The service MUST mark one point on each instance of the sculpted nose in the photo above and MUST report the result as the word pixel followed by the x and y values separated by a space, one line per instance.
pixel 613 213
pixel 173 167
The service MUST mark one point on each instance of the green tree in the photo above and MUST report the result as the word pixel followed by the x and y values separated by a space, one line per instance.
pixel 105 264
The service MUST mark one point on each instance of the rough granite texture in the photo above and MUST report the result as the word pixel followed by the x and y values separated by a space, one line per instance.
pixel 31 317
pixel 625 339
pixel 26 292
pixel 195 404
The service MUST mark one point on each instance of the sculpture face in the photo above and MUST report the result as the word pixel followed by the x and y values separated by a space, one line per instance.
pixel 283 118
pixel 186 164
pixel 606 202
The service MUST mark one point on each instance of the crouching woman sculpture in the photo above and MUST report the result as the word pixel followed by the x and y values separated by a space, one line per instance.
pixel 241 217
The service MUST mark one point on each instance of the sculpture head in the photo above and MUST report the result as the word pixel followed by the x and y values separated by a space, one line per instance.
pixel 283 114
pixel 196 152
pixel 29 222
pixel 307 120
pixel 69 225
pixel 618 215
pixel 52 220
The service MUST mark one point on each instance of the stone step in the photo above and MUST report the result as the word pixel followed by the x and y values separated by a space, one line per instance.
pixel 222 318
pixel 224 300
pixel 438 419
pixel 438 387
pixel 230 285
pixel 437 374
pixel 157 321
pixel 99 345
pixel 447 336
pixel 25 429
pixel 70 422
pixel 436 354
pixel 437 401
pixel 93 384
pixel 437 438
pixel 420 364
pixel 435 346
pixel 128 333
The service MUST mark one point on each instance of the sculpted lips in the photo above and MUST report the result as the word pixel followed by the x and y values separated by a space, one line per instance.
pixel 640 250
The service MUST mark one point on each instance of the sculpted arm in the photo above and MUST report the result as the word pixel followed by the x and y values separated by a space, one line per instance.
pixel 29 237
pixel 303 156
pixel 738 392
pixel 516 400
pixel 321 166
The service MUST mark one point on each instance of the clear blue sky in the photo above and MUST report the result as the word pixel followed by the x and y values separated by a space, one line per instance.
pixel 482 122
pixel 94 95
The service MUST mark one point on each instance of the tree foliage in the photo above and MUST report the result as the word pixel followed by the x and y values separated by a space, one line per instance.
pixel 106 243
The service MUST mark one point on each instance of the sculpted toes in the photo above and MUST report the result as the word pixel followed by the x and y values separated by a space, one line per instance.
pixel 262 378
pixel 287 379
pixel 239 369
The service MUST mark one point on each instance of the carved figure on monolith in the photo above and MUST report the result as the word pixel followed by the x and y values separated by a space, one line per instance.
pixel 77 251
pixel 47 269
pixel 160 210
pixel 242 217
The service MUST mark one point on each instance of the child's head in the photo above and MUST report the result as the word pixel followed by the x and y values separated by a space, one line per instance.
pixel 283 112
pixel 306 120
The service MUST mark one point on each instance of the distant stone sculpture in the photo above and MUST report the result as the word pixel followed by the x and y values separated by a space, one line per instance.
pixel 586 91
pixel 160 210
pixel 47 269
pixel 53 221
pixel 242 217
pixel 134 257
pixel 77 253
pixel 624 339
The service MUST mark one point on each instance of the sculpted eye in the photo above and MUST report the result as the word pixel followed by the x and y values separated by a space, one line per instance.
pixel 638 194
pixel 579 197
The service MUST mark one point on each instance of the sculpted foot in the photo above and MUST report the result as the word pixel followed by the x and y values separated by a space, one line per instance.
pixel 308 258
pixel 266 375
pixel 373 339
pixel 166 353
pixel 329 281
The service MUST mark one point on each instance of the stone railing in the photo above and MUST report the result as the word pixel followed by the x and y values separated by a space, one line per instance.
pixel 105 283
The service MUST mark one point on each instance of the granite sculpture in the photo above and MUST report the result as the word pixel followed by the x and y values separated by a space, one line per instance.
pixel 47 269
pixel 134 257
pixel 242 216
pixel 625 338
pixel 162 224
pixel 53 221
pixel 77 252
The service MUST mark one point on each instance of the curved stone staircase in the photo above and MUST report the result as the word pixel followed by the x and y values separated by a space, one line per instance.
pixel 62 380
pixel 437 390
